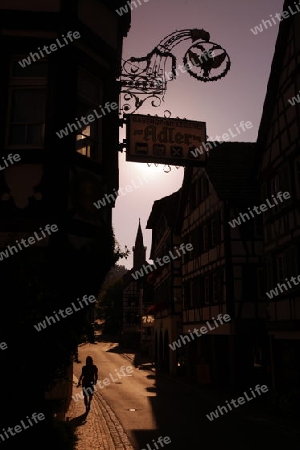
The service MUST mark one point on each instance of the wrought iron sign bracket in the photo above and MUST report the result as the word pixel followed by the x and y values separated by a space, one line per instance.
pixel 146 77
pixel 123 145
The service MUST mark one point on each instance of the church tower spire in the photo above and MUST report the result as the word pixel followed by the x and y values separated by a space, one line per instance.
pixel 139 251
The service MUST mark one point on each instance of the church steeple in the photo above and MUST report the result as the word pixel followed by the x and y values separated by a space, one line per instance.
pixel 139 251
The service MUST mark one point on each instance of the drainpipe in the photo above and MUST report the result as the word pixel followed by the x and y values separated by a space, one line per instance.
pixel 272 360
pixel 172 278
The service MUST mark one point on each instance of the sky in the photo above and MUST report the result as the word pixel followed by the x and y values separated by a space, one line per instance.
pixel 221 104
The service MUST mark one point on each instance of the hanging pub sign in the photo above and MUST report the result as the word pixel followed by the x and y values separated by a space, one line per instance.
pixel 160 140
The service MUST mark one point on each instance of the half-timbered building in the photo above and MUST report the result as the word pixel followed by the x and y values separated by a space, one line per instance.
pixel 167 281
pixel 222 275
pixel 279 171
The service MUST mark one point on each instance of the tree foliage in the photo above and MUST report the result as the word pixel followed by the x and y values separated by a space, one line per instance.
pixel 110 306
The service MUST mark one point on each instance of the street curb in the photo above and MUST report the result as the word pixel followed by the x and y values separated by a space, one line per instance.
pixel 139 366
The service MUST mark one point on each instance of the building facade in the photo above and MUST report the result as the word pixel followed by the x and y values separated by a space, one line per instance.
pixel 167 281
pixel 137 298
pixel 279 171
pixel 223 274
pixel 60 64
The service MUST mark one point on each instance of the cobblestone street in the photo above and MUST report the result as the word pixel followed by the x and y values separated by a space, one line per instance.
pixel 100 428
pixel 134 411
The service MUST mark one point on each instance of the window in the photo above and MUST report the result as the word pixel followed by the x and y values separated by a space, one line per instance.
pixel 88 138
pixel 132 302
pixel 285 223
pixel 202 291
pixel 250 282
pixel 189 255
pixel 258 222
pixel 222 284
pixel 270 275
pixel 132 318
pixel 205 187
pixel 275 185
pixel 206 290
pixel 200 240
pixel 265 196
pixel 200 190
pixel 187 295
pixel 38 69
pixel 284 173
pixel 192 284
pixel 275 188
pixel 266 191
pixel 280 268
pixel 193 196
pixel 297 176
pixel 195 242
pixel 85 138
pixel 214 232
pixel 27 105
pixel 261 282
pixel 216 287
pixel 196 292
pixel 205 238
pixel 268 232
pixel 290 262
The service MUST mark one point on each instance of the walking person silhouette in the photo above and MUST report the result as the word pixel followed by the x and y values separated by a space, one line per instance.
pixel 89 377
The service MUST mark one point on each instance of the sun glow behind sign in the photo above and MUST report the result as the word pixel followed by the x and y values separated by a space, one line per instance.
pixel 164 141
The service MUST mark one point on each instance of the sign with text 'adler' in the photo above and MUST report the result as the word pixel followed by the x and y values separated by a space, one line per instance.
pixel 161 140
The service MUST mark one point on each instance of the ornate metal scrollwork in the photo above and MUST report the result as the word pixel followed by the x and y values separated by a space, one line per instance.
pixel 145 77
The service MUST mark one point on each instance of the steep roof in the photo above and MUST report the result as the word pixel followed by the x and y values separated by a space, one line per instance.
pixel 230 170
pixel 274 78
pixel 167 206
pixel 139 250
pixel 139 241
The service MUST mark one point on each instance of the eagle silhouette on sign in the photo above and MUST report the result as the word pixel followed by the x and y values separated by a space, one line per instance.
pixel 145 77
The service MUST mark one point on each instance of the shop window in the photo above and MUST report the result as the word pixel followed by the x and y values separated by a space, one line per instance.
pixel 27 105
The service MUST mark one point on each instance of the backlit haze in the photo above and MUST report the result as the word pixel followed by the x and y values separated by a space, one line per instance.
pixel 221 104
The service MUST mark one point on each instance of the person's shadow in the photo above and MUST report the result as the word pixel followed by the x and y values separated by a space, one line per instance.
pixel 78 421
